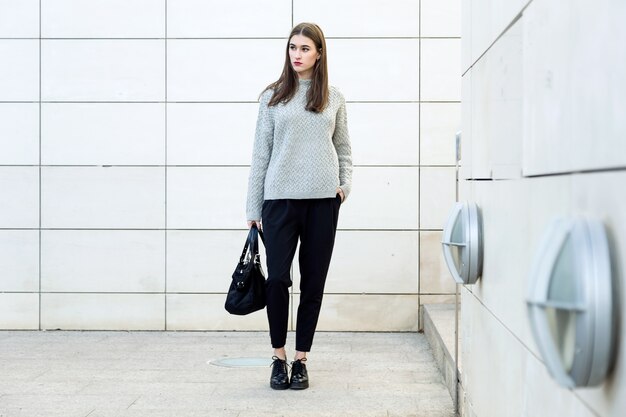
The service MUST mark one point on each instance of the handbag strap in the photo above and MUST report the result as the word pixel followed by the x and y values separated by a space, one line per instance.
pixel 252 242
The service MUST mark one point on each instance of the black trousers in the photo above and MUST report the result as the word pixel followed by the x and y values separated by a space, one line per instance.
pixel 314 222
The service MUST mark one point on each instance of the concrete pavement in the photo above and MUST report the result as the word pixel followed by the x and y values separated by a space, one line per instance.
pixel 158 374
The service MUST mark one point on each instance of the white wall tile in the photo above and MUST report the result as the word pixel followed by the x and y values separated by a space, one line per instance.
pixel 391 139
pixel 489 352
pixel 503 287
pixel 479 148
pixel 375 69
pixel 440 70
pixel 206 312
pixel 102 261
pixel 435 278
pixel 489 19
pixel 367 312
pixel 19 311
pixel 466 35
pixel 572 113
pixel 19 188
pixel 19 133
pixel 394 271
pixel 19 19
pixel 497 109
pixel 103 70
pixel 227 19
pixel 381 198
pixel 103 134
pixel 204 261
pixel 465 164
pixel 210 133
pixel 207 197
pixel 19 70
pixel 439 123
pixel 222 69
pixel 103 311
pixel 437 196
pixel 103 19
pixel 19 260
pixel 392 18
pixel 441 18
pixel 101 197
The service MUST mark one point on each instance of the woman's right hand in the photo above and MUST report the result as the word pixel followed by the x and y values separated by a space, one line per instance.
pixel 258 223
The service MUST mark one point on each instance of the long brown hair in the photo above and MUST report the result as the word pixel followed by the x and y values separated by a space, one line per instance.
pixel 285 87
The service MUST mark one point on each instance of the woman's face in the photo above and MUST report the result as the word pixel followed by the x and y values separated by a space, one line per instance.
pixel 303 55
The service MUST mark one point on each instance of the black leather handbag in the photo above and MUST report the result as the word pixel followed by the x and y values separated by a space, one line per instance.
pixel 247 289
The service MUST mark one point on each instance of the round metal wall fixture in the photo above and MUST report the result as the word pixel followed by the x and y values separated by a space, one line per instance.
pixel 463 243
pixel 570 304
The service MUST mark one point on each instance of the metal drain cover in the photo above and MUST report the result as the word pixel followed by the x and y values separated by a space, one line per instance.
pixel 241 362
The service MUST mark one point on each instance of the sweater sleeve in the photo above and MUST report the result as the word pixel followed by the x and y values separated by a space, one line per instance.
pixel 341 140
pixel 261 153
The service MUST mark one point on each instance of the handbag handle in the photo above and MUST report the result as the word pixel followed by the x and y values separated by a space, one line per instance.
pixel 252 242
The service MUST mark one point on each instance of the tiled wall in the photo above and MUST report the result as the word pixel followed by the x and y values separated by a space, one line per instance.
pixel 126 130
pixel 543 86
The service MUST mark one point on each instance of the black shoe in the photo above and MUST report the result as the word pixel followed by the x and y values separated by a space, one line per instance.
pixel 299 375
pixel 280 376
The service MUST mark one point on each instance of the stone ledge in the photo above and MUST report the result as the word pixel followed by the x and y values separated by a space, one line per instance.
pixel 439 330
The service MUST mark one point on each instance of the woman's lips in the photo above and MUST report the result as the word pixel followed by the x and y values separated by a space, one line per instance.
pixel 297 64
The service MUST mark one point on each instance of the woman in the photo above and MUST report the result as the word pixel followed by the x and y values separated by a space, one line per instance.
pixel 301 172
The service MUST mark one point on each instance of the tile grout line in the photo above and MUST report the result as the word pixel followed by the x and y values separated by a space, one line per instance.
pixel 165 183
pixel 40 183
pixel 419 162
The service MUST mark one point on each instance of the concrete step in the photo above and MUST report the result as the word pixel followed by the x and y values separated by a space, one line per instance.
pixel 439 329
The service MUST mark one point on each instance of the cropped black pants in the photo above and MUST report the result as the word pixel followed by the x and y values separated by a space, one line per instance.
pixel 314 222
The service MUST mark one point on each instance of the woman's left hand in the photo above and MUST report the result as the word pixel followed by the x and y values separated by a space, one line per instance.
pixel 340 192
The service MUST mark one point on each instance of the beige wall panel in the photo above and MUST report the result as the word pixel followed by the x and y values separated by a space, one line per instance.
pixel 389 18
pixel 370 262
pixel 19 188
pixel 103 70
pixel 103 261
pixel 391 74
pixel 210 133
pixel 206 312
pixel 437 196
pixel 233 18
pixel 103 311
pixel 101 197
pixel 19 133
pixel 205 69
pixel 103 19
pixel 441 18
pixel 440 66
pixel 489 19
pixel 19 19
pixel 439 123
pixel 19 311
pixel 384 133
pixel 574 106
pixel 19 70
pixel 381 198
pixel 368 312
pixel 467 148
pixel 19 260
pixel 203 198
pixel 435 278
pixel 103 134
pixel 204 261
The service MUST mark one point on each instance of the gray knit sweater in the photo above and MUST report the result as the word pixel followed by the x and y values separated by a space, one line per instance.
pixel 299 154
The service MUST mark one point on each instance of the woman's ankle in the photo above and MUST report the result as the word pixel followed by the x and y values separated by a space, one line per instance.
pixel 280 354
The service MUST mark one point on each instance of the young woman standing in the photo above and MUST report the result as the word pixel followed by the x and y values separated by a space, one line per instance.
pixel 300 174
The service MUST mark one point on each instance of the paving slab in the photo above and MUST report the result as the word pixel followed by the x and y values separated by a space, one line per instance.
pixel 158 374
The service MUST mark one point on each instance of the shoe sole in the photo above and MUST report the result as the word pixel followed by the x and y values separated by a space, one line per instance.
pixel 279 386
pixel 303 385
